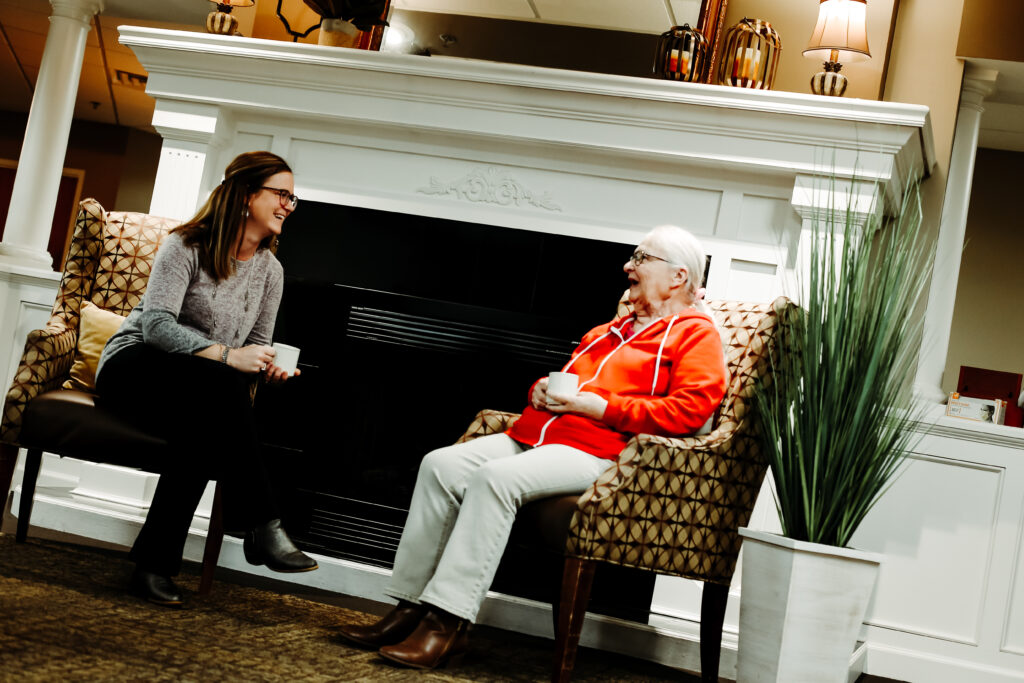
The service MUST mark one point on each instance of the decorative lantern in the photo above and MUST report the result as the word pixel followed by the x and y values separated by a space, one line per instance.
pixel 221 21
pixel 682 54
pixel 750 57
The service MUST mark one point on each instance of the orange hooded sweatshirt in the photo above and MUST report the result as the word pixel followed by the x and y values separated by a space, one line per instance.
pixel 666 380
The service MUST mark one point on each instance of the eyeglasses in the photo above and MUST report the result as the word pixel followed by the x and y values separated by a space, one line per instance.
pixel 284 196
pixel 639 256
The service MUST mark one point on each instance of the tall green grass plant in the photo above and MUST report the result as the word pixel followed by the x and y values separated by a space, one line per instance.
pixel 836 413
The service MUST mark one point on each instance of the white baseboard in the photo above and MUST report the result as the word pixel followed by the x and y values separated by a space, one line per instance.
pixel 920 667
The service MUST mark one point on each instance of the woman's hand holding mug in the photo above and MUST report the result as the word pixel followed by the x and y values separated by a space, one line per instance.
pixel 251 359
pixel 539 398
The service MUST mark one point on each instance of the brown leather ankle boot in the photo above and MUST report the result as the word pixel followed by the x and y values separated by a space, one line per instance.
pixel 393 627
pixel 440 639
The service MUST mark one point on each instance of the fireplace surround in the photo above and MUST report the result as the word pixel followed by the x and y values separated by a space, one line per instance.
pixel 408 326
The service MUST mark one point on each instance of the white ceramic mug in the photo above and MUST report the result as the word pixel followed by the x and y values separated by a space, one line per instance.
pixel 562 383
pixel 287 357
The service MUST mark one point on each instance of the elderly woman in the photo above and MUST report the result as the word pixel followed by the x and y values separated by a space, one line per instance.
pixel 657 371
pixel 181 365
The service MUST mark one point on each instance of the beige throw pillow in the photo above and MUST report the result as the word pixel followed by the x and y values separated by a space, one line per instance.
pixel 95 327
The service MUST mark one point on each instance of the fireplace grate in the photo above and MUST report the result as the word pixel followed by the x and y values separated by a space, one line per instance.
pixel 352 529
pixel 405 329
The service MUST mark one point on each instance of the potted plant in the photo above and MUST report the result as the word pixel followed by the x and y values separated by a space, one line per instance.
pixel 344 19
pixel 836 420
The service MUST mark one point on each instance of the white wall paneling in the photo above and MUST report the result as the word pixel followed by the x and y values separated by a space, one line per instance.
pixel 948 512
pixel 947 606
pixel 26 298
pixel 1013 635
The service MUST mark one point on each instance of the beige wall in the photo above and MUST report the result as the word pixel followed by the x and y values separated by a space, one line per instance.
pixel 924 69
pixel 990 29
pixel 142 155
pixel 794 20
pixel 987 324
pixel 118 161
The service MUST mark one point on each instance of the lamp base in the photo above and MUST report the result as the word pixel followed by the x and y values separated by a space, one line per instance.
pixel 221 23
pixel 829 81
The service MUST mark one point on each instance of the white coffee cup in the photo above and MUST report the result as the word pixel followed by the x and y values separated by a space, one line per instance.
pixel 562 383
pixel 287 357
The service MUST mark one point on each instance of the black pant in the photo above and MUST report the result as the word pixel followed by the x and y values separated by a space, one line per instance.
pixel 202 408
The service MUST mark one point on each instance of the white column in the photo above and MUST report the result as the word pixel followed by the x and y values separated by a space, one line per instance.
pixel 821 200
pixel 194 136
pixel 938 321
pixel 27 230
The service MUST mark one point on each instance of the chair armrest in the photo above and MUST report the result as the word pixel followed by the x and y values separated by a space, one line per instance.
pixel 488 422
pixel 673 505
pixel 44 365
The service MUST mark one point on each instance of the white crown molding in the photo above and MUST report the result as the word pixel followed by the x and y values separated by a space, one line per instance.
pixel 763 131
pixel 81 11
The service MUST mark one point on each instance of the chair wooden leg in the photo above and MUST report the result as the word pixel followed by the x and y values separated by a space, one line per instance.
pixel 8 461
pixel 576 583
pixel 214 540
pixel 33 459
pixel 712 616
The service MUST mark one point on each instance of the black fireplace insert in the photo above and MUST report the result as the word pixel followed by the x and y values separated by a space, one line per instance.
pixel 408 326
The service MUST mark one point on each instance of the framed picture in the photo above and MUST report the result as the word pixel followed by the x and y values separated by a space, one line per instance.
pixel 993 384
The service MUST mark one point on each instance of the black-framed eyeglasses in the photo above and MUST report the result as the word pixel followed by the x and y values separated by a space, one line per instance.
pixel 640 256
pixel 283 196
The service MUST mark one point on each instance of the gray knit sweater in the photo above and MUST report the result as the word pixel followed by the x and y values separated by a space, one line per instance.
pixel 184 310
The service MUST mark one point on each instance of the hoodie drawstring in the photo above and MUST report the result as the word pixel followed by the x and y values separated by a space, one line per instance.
pixel 622 342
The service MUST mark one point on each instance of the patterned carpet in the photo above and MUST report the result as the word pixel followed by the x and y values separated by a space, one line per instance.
pixel 64 616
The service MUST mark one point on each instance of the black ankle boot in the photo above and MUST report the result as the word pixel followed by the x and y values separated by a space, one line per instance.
pixel 269 544
pixel 157 589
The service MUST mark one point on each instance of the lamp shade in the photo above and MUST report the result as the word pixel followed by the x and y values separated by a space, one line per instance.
pixel 842 27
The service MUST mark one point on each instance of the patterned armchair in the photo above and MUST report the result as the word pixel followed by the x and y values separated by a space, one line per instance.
pixel 108 264
pixel 670 505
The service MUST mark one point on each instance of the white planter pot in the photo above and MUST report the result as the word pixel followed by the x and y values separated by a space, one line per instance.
pixel 801 608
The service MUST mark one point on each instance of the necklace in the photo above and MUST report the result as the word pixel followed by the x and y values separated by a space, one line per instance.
pixel 241 278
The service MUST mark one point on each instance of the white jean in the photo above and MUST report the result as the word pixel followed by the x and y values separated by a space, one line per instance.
pixel 462 509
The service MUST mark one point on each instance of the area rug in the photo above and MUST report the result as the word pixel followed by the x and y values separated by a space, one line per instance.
pixel 65 616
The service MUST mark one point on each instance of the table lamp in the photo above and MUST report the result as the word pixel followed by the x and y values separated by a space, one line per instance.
pixel 220 20
pixel 840 36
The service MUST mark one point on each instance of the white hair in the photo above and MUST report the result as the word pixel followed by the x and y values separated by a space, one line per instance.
pixel 682 249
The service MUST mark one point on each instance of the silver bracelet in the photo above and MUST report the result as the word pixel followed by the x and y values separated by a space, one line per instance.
pixel 224 354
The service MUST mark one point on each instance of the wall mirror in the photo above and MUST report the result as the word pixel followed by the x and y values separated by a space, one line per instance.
pixel 707 16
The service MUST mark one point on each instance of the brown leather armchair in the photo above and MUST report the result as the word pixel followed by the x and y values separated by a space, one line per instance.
pixel 108 264
pixel 669 505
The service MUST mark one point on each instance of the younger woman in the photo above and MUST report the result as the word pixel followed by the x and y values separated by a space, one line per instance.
pixel 182 364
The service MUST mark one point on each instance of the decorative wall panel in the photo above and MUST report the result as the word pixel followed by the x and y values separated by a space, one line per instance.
pixel 936 527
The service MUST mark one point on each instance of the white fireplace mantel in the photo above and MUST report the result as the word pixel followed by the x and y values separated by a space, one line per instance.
pixel 572 148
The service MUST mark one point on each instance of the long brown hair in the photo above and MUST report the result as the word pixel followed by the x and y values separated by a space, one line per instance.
pixel 215 229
